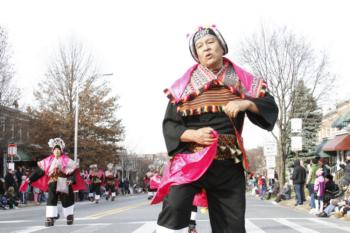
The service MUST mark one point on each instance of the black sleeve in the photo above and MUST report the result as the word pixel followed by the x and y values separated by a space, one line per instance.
pixel 173 128
pixel 36 175
pixel 268 112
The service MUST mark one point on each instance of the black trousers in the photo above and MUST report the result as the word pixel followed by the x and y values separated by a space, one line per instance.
pixel 67 200
pixel 95 188
pixel 224 183
pixel 110 188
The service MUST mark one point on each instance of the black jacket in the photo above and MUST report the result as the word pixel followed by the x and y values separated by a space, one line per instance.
pixel 346 178
pixel 299 173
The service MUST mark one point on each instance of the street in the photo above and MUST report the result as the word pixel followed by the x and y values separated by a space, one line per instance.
pixel 133 214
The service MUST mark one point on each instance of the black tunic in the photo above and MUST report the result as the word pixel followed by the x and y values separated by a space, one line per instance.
pixel 174 125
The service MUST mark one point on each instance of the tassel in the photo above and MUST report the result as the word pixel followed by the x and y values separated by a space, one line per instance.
pixel 232 151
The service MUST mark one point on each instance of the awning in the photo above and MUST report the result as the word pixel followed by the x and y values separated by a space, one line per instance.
pixel 320 153
pixel 342 121
pixel 339 143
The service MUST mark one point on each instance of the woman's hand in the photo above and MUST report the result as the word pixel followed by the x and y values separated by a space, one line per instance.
pixel 232 108
pixel 204 136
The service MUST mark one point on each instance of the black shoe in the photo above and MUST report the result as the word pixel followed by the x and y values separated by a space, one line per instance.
pixel 70 219
pixel 322 215
pixel 49 222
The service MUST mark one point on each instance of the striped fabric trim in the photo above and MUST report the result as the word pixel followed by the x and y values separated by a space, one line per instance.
pixel 212 100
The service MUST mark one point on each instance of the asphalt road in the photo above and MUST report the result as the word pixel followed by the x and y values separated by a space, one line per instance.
pixel 133 214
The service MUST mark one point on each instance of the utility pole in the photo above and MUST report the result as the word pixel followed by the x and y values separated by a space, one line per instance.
pixel 77 118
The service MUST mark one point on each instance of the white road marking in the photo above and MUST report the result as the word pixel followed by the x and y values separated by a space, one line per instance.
pixel 295 226
pixel 252 228
pixel 15 221
pixel 330 225
pixel 148 227
pixel 89 228
pixel 31 229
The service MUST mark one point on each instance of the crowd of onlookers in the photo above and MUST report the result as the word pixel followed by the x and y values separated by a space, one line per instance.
pixel 325 197
pixel 10 197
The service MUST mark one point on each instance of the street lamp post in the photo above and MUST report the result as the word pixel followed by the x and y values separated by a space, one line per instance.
pixel 77 119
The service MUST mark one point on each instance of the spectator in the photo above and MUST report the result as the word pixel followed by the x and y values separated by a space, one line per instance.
pixel 10 180
pixel 121 187
pixel 331 190
pixel 24 195
pixel 311 182
pixel 273 189
pixel 2 186
pixel 338 205
pixel 346 167
pixel 36 194
pixel 299 178
pixel 323 164
pixel 285 194
pixel 18 176
pixel 319 188
pixel 12 199
pixel 126 186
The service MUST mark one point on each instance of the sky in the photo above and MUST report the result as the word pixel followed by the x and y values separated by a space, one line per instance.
pixel 144 44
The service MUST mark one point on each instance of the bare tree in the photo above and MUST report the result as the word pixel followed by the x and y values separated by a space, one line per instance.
pixel 282 58
pixel 256 159
pixel 99 128
pixel 9 94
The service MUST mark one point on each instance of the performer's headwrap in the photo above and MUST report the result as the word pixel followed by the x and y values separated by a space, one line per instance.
pixel 110 166
pixel 93 166
pixel 201 32
pixel 56 143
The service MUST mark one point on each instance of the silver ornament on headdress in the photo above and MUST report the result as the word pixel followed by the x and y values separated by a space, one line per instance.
pixel 56 141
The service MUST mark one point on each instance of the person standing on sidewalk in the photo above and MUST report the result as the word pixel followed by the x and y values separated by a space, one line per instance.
pixel 310 182
pixel 319 189
pixel 298 177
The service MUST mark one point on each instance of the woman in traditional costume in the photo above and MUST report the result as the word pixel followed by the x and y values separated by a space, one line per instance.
pixel 58 175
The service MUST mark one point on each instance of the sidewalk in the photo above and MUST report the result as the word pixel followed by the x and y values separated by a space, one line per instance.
pixel 304 208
